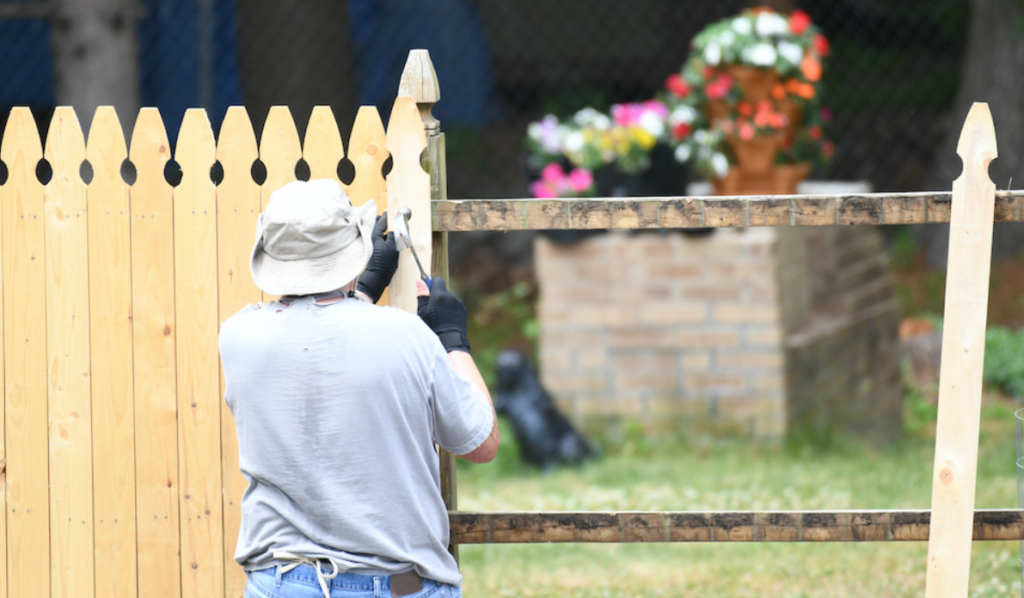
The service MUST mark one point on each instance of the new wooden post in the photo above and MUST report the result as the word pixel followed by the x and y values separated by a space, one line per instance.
pixel 419 81
pixel 963 355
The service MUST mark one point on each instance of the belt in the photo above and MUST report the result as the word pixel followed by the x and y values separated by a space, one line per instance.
pixel 402 584
pixel 406 583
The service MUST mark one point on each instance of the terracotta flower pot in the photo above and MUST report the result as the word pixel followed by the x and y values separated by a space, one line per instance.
pixel 794 115
pixel 755 83
pixel 788 176
pixel 717 110
pixel 755 156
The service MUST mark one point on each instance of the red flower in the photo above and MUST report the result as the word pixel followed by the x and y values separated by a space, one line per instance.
pixel 681 131
pixel 799 21
pixel 677 86
pixel 821 45
pixel 745 109
pixel 815 132
pixel 719 88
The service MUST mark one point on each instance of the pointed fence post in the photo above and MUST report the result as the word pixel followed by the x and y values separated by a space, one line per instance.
pixel 419 81
pixel 963 355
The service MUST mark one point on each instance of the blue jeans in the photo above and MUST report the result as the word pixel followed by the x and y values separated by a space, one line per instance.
pixel 301 582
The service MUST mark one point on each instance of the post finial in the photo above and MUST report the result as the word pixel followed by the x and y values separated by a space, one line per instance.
pixel 419 81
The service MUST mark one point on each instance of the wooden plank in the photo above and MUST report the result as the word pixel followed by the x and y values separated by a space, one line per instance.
pixel 321 148
pixel 367 150
pixel 238 206
pixel 280 151
pixel 408 186
pixel 963 356
pixel 736 526
pixel 153 344
pixel 717 212
pixel 198 381
pixel 3 386
pixel 68 357
pixel 110 321
pixel 25 421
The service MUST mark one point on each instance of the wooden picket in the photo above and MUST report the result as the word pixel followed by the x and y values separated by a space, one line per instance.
pixel 68 361
pixel 238 206
pixel 25 387
pixel 153 338
pixel 199 398
pixel 113 409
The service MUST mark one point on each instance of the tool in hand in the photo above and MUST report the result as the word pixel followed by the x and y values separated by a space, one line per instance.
pixel 402 238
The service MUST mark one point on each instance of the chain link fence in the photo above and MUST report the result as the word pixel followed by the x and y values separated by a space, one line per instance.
pixel 893 73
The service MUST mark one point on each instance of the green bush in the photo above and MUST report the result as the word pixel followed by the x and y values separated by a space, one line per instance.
pixel 1004 360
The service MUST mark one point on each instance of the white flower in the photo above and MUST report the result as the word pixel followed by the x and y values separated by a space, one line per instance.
pixel 682 115
pixel 586 116
pixel 713 54
pixel 700 136
pixel 682 153
pixel 719 164
pixel 770 23
pixel 601 122
pixel 741 25
pixel 652 123
pixel 791 52
pixel 727 38
pixel 574 141
pixel 760 55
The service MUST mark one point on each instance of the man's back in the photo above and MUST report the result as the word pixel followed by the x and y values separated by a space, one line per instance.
pixel 337 408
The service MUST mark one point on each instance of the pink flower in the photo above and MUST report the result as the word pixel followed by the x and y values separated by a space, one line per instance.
pixel 541 190
pixel 552 174
pixel 625 114
pixel 656 107
pixel 580 180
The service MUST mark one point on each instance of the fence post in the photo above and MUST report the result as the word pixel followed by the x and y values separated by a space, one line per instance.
pixel 419 80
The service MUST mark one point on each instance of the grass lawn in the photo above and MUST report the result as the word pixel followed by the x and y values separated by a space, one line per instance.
pixel 637 473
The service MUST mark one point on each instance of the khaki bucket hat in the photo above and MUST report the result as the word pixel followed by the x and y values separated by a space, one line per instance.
pixel 310 239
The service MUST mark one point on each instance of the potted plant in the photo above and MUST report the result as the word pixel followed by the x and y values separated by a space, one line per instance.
pixel 744 100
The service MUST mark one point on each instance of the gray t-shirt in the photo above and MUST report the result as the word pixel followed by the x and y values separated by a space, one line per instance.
pixel 337 408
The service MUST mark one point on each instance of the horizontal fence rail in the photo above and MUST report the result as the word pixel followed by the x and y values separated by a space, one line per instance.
pixel 707 212
pixel 498 527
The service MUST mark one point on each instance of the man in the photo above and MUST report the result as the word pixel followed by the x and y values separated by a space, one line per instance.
pixel 338 404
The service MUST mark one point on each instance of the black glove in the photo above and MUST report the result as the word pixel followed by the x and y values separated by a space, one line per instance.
pixel 446 316
pixel 377 275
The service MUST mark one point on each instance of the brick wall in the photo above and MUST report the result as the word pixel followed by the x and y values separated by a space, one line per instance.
pixel 708 330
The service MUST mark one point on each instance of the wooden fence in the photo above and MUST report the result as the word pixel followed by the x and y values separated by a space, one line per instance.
pixel 119 455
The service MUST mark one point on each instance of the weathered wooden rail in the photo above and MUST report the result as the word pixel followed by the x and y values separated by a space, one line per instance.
pixel 707 212
pixel 497 527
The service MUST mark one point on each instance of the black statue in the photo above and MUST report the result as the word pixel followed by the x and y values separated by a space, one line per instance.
pixel 544 435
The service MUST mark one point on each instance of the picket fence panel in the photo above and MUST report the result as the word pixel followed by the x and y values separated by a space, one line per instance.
pixel 119 454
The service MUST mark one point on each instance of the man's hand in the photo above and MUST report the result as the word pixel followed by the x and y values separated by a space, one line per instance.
pixel 444 313
pixel 383 263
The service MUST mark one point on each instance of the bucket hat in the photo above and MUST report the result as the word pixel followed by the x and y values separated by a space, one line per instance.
pixel 310 239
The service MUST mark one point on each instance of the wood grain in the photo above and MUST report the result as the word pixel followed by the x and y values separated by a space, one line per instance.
pixel 321 148
pixel 963 357
pixel 68 361
pixel 238 206
pixel 198 371
pixel 367 150
pixel 741 526
pixel 25 421
pixel 280 151
pixel 110 320
pixel 153 340
pixel 717 212
pixel 408 186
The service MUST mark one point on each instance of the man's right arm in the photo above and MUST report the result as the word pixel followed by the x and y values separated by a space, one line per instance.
pixel 465 367
pixel 446 316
